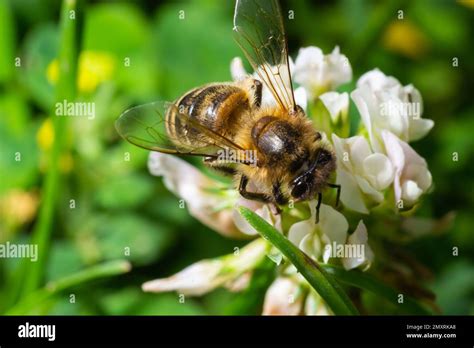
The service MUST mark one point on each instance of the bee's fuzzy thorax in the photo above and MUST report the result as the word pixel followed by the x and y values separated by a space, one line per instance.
pixel 264 176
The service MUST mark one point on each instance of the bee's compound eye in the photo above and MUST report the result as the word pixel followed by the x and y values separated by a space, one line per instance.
pixel 299 189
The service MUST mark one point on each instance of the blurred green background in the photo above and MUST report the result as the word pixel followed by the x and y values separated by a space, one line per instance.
pixel 139 51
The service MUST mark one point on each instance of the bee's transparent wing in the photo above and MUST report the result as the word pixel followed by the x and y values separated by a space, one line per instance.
pixel 147 126
pixel 259 30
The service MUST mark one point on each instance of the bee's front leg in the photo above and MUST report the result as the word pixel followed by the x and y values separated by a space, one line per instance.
pixel 254 196
pixel 278 196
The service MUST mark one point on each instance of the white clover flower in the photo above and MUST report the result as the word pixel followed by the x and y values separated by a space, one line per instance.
pixel 301 97
pixel 311 237
pixel 384 103
pixel 206 275
pixel 318 73
pixel 337 105
pixel 412 177
pixel 326 238
pixel 363 174
pixel 188 183
pixel 359 238
pixel 196 279
pixel 283 297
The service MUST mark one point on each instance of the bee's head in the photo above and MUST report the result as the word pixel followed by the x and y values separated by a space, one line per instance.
pixel 314 175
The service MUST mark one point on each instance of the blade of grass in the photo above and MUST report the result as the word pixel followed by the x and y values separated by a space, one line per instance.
pixel 317 277
pixel 366 282
pixel 65 90
pixel 107 269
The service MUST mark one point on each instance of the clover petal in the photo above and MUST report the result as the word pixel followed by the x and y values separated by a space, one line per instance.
pixel 282 298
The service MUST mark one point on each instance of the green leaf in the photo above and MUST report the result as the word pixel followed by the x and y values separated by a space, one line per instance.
pixel 64 259
pixel 127 29
pixel 146 240
pixel 117 194
pixel 212 50
pixel 366 282
pixel 40 49
pixel 317 277
pixel 127 39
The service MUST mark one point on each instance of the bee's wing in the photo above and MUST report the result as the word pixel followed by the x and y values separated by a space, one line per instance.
pixel 148 127
pixel 259 30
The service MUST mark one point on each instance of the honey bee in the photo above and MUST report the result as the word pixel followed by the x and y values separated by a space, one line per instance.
pixel 291 160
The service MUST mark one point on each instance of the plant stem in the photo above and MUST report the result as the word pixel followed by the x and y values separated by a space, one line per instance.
pixel 65 89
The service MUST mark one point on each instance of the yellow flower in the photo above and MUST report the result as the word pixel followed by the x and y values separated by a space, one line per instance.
pixel 45 135
pixel 94 68
pixel 45 139
pixel 405 38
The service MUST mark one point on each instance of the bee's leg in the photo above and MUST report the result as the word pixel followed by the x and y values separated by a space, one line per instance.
pixel 257 88
pixel 338 193
pixel 255 196
pixel 279 198
pixel 278 195
pixel 320 199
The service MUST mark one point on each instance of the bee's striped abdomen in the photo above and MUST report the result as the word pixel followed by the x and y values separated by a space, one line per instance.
pixel 211 106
